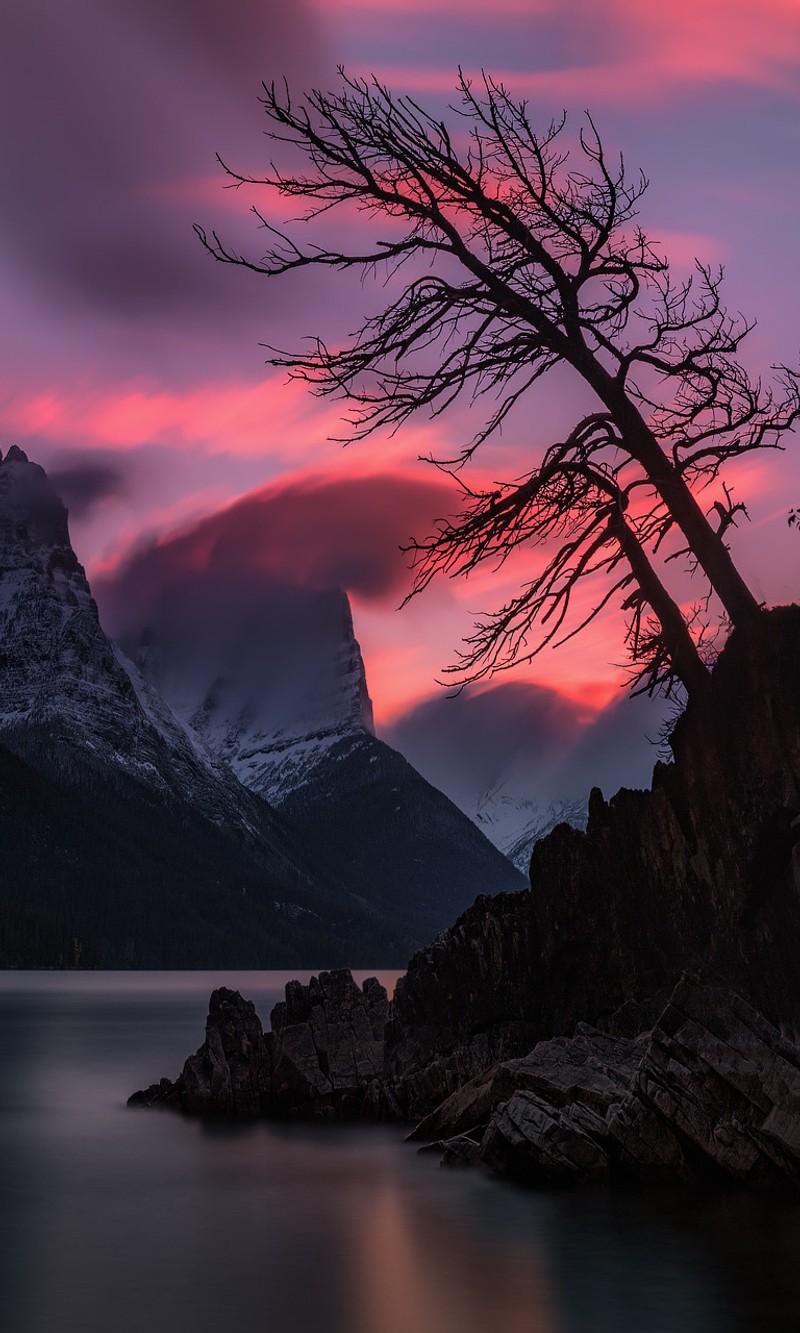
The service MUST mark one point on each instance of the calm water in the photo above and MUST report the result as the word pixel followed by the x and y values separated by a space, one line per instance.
pixel 115 1221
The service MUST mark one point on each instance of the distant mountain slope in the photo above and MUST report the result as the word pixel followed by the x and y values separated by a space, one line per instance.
pixel 520 758
pixel 100 876
pixel 395 837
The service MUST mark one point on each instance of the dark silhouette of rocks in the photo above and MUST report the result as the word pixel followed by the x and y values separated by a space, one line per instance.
pixel 544 1034
pixel 324 1056
pixel 710 1095
pixel 591 1066
pixel 702 868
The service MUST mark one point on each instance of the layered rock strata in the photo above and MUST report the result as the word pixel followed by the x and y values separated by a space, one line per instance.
pixel 714 1097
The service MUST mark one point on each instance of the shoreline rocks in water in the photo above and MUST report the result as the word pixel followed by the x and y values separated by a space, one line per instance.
pixel 324 1056
pixel 710 1095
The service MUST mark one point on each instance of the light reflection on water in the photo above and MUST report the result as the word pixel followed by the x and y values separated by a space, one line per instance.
pixel 114 1220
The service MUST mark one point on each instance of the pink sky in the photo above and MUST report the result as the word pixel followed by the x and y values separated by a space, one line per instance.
pixel 128 352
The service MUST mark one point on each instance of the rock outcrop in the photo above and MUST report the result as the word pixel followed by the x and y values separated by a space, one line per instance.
pixel 592 1068
pixel 466 1001
pixel 702 868
pixel 324 1056
pixel 327 1048
pixel 543 1033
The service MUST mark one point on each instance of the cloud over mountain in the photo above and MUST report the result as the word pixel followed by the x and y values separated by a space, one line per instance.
pixel 318 532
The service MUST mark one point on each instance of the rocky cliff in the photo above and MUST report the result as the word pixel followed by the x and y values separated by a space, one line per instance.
pixel 701 867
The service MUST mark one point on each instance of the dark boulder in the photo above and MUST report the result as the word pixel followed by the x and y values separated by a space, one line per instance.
pixel 715 1096
pixel 229 1074
pixel 591 1067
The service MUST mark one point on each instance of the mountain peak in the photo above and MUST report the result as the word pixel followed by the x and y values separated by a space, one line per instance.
pixel 68 697
pixel 270 676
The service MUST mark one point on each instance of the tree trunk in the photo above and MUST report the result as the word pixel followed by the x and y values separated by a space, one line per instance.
pixel 686 661
pixel 704 543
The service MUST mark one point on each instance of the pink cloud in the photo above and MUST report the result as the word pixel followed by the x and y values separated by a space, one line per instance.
pixel 314 532
pixel 271 419
pixel 644 50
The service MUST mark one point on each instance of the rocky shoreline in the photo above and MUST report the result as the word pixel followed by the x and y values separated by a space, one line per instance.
pixel 710 1095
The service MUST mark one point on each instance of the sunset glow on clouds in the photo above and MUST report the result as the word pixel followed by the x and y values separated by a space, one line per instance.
pixel 132 364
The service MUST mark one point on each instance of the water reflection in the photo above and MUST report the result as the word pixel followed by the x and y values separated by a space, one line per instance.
pixel 115 1220
pixel 414 1267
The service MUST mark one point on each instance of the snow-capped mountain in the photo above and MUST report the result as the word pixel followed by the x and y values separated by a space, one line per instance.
pixel 514 821
pixel 115 815
pixel 519 758
pixel 61 675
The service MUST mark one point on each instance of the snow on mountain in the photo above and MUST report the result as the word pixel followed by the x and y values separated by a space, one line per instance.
pixel 270 687
pixel 125 832
pixel 62 678
pixel 514 821
pixel 519 758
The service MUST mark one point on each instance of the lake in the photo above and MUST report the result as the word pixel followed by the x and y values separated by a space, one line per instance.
pixel 118 1221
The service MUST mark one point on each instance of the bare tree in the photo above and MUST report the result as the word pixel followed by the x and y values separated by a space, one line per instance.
pixel 506 258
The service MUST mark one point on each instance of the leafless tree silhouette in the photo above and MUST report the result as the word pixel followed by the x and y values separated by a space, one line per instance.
pixel 511 253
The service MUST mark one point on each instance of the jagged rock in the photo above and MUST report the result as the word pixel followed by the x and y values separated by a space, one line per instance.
pixel 465 1003
pixel 230 1073
pixel 712 1094
pixel 327 1044
pixel 461 1151
pixel 714 1097
pixel 591 1067
pixel 163 1093
pixel 704 867
pixel 717 1093
pixel 532 1140
pixel 323 1056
